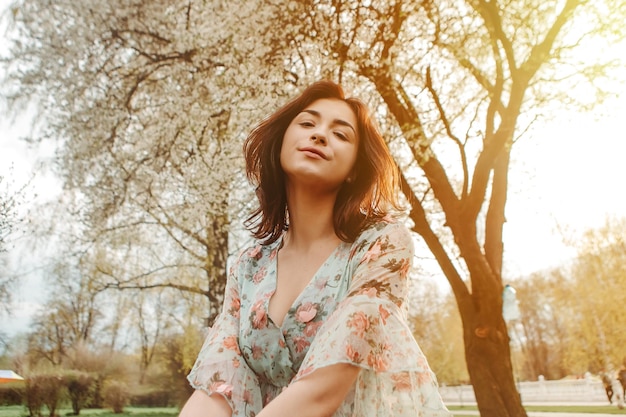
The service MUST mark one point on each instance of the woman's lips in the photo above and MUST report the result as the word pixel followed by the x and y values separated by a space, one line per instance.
pixel 314 151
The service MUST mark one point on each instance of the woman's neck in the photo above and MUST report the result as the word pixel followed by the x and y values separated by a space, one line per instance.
pixel 310 220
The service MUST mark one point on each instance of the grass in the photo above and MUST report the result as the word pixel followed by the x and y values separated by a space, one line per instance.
pixel 19 411
pixel 457 410
pixel 588 409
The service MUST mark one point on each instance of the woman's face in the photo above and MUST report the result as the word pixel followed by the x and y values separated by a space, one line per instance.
pixel 320 145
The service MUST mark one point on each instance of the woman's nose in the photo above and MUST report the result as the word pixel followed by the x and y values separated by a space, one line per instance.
pixel 319 137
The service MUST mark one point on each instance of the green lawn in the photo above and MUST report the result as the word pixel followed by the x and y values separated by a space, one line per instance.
pixel 590 409
pixel 18 411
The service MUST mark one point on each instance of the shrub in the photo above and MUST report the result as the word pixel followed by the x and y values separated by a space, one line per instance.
pixel 52 391
pixel 155 397
pixel 43 389
pixel 80 388
pixel 32 396
pixel 12 393
pixel 116 396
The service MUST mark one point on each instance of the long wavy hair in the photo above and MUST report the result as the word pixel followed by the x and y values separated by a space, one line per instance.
pixel 371 195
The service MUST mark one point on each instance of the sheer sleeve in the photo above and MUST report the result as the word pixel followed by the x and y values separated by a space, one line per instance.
pixel 369 329
pixel 220 367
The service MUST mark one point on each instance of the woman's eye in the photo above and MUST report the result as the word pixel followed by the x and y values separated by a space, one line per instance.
pixel 341 135
pixel 306 124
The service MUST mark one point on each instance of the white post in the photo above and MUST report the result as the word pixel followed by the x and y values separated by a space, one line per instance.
pixel 511 313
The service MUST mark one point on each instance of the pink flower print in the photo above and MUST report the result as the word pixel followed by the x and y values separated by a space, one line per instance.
pixel 353 355
pixel 422 362
pixel 373 253
pixel 402 381
pixel 371 292
pixel 222 388
pixel 257 352
pixel 360 323
pixel 304 372
pixel 230 343
pixel 256 252
pixel 404 268
pixel 306 312
pixel 424 378
pixel 235 306
pixel 384 313
pixel 301 343
pixel 247 396
pixel 258 277
pixel 236 363
pixel 281 343
pixel 259 318
pixel 321 284
pixel 376 361
pixel 311 328
pixel 225 389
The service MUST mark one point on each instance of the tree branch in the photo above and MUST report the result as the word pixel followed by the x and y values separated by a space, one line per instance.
pixel 446 124
pixel 408 120
pixel 422 227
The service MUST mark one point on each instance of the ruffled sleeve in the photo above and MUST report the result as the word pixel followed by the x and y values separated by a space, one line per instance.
pixel 369 329
pixel 220 367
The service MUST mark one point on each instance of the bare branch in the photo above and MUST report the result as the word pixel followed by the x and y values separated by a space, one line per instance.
pixel 446 124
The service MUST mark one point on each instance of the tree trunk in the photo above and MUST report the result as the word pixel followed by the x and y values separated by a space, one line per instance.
pixel 488 356
pixel 487 348
pixel 216 258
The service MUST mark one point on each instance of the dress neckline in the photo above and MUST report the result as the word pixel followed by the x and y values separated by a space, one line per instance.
pixel 313 279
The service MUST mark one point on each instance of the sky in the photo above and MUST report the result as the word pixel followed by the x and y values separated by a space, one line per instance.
pixel 19 167
pixel 20 164
pixel 564 178
pixel 565 175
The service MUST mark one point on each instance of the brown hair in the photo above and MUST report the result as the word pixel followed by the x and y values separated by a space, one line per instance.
pixel 370 196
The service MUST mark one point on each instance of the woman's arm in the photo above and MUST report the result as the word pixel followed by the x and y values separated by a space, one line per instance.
pixel 220 375
pixel 202 405
pixel 318 394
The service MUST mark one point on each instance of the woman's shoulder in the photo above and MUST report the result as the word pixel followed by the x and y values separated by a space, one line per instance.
pixel 387 232
pixel 256 251
pixel 387 227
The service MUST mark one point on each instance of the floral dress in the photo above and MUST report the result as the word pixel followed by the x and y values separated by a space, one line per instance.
pixel 352 311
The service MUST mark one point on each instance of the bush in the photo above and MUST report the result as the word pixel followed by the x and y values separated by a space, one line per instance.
pixel 158 397
pixel 12 393
pixel 43 389
pixel 116 396
pixel 80 387
pixel 52 391
pixel 33 396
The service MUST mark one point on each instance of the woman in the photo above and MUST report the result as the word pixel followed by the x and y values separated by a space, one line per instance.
pixel 313 322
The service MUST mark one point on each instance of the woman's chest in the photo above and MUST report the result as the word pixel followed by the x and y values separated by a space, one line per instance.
pixel 311 301
pixel 273 351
